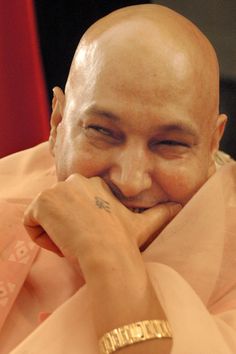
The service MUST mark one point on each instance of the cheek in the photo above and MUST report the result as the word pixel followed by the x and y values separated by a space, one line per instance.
pixel 80 159
pixel 181 183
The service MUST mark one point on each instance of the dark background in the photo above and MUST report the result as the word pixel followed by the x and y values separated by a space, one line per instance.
pixel 61 24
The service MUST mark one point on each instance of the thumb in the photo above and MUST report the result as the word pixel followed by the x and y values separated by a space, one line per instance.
pixel 154 220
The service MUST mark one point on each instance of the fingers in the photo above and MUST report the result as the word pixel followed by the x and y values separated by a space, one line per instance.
pixel 36 231
pixel 31 224
pixel 40 237
pixel 45 242
pixel 154 220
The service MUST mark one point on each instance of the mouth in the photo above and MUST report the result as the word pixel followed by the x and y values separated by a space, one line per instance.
pixel 138 210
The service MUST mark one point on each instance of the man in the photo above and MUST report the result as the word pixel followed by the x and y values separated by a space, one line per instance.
pixel 134 140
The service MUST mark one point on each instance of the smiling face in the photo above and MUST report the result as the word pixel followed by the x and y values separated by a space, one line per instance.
pixel 138 112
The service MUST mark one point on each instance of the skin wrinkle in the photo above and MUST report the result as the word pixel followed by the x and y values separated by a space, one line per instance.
pixel 184 127
pixel 130 64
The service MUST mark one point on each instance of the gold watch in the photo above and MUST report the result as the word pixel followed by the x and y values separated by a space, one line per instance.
pixel 133 333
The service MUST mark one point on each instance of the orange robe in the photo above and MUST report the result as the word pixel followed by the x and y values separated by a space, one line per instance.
pixel 44 306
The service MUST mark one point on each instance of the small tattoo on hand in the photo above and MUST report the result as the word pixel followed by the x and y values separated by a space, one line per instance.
pixel 102 204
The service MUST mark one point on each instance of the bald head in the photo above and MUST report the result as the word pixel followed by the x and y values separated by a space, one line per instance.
pixel 155 43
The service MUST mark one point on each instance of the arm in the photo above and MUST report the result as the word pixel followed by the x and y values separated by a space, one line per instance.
pixel 106 242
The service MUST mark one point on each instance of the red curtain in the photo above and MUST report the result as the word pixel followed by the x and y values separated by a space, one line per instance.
pixel 24 119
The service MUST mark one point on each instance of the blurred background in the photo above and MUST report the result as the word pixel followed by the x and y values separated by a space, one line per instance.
pixel 37 42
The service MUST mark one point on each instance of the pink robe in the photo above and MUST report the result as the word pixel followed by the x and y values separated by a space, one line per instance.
pixel 44 307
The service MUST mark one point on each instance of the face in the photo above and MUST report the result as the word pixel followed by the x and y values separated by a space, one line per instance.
pixel 140 126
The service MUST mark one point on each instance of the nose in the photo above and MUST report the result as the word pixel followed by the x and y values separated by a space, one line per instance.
pixel 131 173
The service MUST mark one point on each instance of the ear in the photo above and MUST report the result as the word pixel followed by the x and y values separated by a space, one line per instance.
pixel 58 102
pixel 218 133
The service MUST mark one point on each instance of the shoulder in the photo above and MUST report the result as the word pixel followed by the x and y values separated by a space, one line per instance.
pixel 27 172
pixel 25 161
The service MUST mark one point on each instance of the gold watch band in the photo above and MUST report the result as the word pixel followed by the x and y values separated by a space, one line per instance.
pixel 133 333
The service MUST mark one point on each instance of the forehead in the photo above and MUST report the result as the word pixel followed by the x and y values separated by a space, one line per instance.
pixel 139 51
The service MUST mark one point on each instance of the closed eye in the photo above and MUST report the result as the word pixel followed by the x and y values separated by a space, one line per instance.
pixel 101 133
pixel 168 143
pixel 100 129
pixel 173 143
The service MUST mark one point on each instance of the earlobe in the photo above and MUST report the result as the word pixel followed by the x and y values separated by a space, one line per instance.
pixel 218 133
pixel 215 142
pixel 56 116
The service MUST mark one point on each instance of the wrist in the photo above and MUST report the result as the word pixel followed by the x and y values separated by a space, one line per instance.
pixel 109 256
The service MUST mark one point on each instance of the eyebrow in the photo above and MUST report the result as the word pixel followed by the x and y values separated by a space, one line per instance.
pixel 181 127
pixel 102 113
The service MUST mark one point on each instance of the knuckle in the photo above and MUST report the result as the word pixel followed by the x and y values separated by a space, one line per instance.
pixel 75 177
pixel 72 177
pixel 96 179
pixel 103 184
pixel 97 182
pixel 41 203
pixel 43 197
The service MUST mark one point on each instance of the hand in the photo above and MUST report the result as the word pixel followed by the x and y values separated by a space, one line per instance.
pixel 81 215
